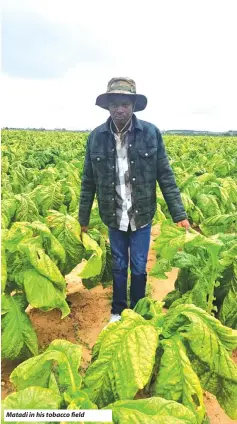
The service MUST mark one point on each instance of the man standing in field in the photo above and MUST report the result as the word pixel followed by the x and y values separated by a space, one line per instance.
pixel 124 158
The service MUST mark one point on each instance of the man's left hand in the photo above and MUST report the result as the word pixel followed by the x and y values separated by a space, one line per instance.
pixel 184 224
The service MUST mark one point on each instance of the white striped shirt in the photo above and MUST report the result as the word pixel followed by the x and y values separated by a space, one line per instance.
pixel 124 211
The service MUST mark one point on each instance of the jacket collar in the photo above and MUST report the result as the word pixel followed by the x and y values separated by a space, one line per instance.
pixel 106 126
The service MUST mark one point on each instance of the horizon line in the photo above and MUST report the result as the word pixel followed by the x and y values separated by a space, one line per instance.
pixel 89 130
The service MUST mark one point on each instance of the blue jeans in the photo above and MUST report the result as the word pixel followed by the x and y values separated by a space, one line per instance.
pixel 138 243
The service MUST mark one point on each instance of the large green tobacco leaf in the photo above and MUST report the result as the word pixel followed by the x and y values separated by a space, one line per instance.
pixel 208 205
pixel 4 164
pixel 153 410
pixel 196 279
pixel 187 202
pixel 176 379
pixel 68 364
pixel 231 187
pixel 18 336
pixel 26 210
pixel 125 360
pixel 69 172
pixel 224 389
pixel 228 311
pixel 47 176
pixel 192 210
pixel 197 296
pixel 200 254
pixel 226 292
pixel 18 176
pixel 173 238
pixel 95 221
pixel 91 282
pixel 53 383
pixel 67 230
pixel 107 276
pixel 220 193
pixel 196 216
pixel 193 188
pixel 187 260
pixel 41 292
pixel 42 264
pixel 17 233
pixel 51 245
pixel 79 400
pixel 219 224
pixel 189 320
pixel 160 268
pixel 196 240
pixel 211 343
pixel 3 267
pixel 93 266
pixel 170 240
pixel 5 221
pixel 32 398
pixel 25 231
pixel 207 178
pixel 71 193
pixel 229 255
pixel 159 214
pixel 37 371
pixel 8 208
pixel 225 285
pixel 221 167
pixel 171 297
pixel 150 310
pixel 103 336
pixel 191 286
pixel 6 187
pixel 48 197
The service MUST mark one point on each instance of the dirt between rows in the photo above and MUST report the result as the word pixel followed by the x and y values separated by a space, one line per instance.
pixel 90 311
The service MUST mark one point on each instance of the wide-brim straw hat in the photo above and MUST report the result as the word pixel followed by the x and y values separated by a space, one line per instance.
pixel 122 85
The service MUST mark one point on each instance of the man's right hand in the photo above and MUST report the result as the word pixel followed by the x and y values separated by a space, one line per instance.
pixel 84 229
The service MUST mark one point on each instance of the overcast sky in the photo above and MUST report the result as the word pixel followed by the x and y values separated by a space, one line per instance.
pixel 57 57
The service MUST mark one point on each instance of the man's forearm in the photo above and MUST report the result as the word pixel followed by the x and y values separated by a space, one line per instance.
pixel 88 189
pixel 86 200
pixel 167 183
pixel 170 190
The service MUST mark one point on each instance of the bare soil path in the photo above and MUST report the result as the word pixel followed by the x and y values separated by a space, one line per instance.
pixel 90 311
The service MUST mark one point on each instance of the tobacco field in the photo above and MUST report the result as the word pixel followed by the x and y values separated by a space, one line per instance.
pixel 155 364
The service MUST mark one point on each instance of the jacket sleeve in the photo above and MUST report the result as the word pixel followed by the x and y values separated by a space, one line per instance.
pixel 167 183
pixel 88 189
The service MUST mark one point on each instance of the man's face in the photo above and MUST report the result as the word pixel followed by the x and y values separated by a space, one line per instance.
pixel 121 108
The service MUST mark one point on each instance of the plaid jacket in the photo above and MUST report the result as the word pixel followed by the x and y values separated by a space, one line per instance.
pixel 148 164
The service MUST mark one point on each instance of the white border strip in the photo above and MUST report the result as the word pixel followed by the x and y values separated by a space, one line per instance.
pixel 58 415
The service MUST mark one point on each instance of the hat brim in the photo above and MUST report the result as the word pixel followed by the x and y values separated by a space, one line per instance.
pixel 103 100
